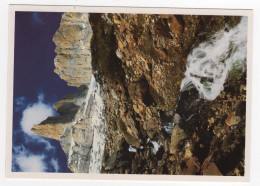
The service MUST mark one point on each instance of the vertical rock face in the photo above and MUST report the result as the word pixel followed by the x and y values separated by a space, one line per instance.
pixel 81 114
pixel 141 121
pixel 144 98
pixel 72 39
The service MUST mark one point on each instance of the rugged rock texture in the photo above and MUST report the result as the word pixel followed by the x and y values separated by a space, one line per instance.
pixel 73 60
pixel 151 126
pixel 74 128
pixel 143 98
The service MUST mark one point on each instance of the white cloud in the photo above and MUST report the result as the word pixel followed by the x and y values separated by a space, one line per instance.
pixel 20 103
pixel 55 165
pixel 26 160
pixel 35 114
pixel 19 149
pixel 33 163
pixel 48 146
pixel 40 97
pixel 20 100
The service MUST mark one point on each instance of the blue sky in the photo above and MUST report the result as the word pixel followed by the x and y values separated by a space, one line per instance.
pixel 36 89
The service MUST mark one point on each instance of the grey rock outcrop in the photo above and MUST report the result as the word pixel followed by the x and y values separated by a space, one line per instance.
pixel 72 40
pixel 80 115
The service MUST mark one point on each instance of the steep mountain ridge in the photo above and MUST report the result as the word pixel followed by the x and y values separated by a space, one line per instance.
pixel 76 126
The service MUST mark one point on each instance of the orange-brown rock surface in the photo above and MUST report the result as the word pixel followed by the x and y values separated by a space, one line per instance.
pixel 152 127
pixel 75 127
pixel 73 60
pixel 143 65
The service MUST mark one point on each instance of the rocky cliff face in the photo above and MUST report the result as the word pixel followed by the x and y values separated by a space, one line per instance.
pixel 80 119
pixel 72 40
pixel 152 123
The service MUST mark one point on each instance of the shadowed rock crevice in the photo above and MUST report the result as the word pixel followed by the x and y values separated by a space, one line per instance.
pixel 105 62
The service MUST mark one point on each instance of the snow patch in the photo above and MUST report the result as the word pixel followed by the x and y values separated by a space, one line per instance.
pixel 155 144
pixel 168 128
pixel 132 149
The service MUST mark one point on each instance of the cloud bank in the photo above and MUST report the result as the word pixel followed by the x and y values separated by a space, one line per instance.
pixel 19 103
pixel 35 113
pixel 26 157
pixel 32 163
